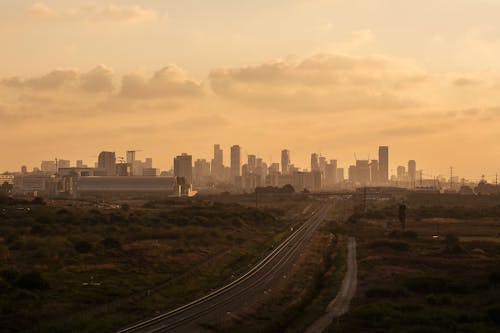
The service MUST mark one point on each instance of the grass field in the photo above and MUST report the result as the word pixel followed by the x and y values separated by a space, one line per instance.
pixel 442 275
pixel 78 267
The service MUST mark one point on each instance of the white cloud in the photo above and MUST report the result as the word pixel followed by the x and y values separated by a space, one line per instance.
pixel 96 13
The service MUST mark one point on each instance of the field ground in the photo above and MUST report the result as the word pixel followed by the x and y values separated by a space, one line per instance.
pixel 87 267
pixel 442 275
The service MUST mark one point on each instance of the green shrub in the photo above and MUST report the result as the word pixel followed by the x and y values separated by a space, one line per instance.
pixel 394 245
pixel 32 281
pixel 412 235
pixel 385 292
pixel 110 243
pixel 494 314
pixel 83 247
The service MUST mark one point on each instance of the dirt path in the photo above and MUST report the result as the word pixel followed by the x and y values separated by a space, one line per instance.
pixel 340 304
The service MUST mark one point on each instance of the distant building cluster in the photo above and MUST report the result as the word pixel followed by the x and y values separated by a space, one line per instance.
pixel 112 174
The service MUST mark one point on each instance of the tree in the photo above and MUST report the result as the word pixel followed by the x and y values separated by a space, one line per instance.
pixel 32 281
pixel 402 216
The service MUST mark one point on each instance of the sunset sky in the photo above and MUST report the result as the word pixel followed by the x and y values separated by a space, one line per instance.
pixel 336 77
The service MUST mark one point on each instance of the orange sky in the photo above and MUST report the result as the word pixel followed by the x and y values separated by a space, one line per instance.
pixel 328 76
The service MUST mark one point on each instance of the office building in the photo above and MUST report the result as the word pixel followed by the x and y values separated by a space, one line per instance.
pixel 201 171
pixel 235 162
pixel 217 166
pixel 412 172
pixel 374 172
pixel 285 162
pixel 183 167
pixel 363 172
pixel 314 162
pixel 383 164
pixel 107 162
pixel 48 166
pixel 63 164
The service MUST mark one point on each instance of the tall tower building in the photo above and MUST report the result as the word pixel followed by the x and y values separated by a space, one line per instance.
pixel 383 163
pixel 235 161
pixel 217 167
pixel 314 162
pixel 107 161
pixel 183 167
pixel 130 156
pixel 285 161
pixel 374 172
pixel 412 172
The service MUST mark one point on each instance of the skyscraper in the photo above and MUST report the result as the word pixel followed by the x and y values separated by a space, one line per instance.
pixel 235 161
pixel 183 167
pixel 285 161
pixel 314 162
pixel 374 172
pixel 107 161
pixel 412 172
pixel 130 156
pixel 383 163
pixel 217 166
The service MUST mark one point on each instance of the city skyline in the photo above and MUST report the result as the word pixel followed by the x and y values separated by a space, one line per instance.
pixel 333 78
pixel 380 167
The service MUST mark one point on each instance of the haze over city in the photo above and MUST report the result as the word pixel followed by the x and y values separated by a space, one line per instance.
pixel 220 166
pixel 332 77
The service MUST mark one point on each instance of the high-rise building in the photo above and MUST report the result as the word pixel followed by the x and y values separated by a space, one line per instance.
pixel 352 174
pixel 148 163
pixel 374 172
pixel 24 169
pixel 331 173
pixel 107 161
pixel 285 161
pixel 48 166
pixel 183 167
pixel 217 167
pixel 130 156
pixel 201 171
pixel 314 162
pixel 79 163
pixel 401 173
pixel 252 163
pixel 340 175
pixel 235 161
pixel 383 163
pixel 412 172
pixel 63 164
pixel 363 172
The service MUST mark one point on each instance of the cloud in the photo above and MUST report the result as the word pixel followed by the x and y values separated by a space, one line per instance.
pixel 99 79
pixel 463 82
pixel 325 82
pixel 41 10
pixel 96 13
pixel 409 130
pixel 53 80
pixel 170 81
pixel 96 80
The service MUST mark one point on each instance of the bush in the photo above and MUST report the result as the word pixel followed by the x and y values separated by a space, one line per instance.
pixel 394 245
pixel 403 234
pixel 9 275
pixel 38 201
pixel 385 292
pixel 452 245
pixel 494 314
pixel 83 247
pixel 430 284
pixel 110 243
pixel 494 278
pixel 32 281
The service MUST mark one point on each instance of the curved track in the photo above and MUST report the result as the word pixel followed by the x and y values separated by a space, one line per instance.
pixel 243 292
